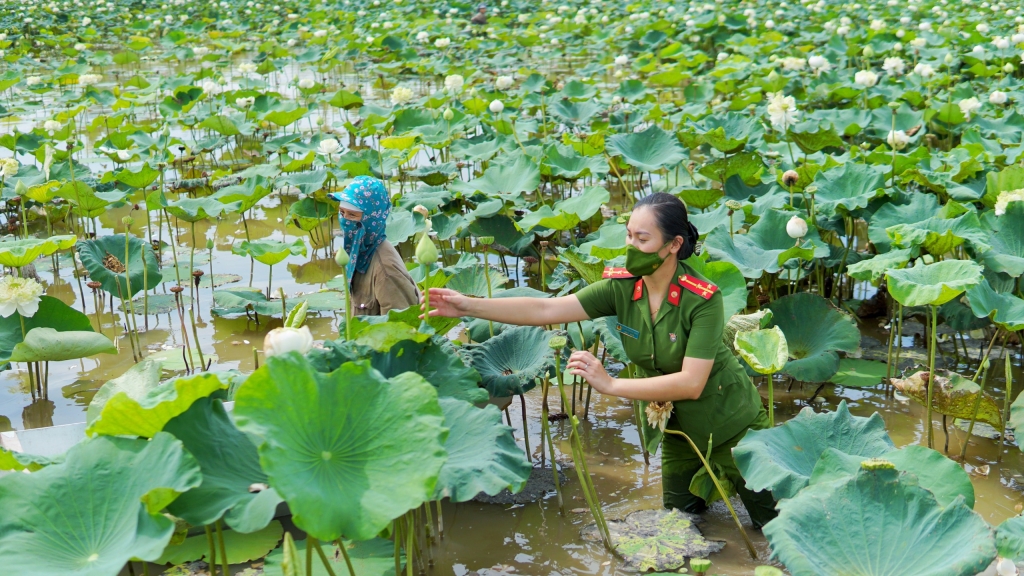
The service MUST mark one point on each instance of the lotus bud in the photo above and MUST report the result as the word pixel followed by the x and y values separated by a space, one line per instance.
pixel 557 342
pixel 426 252
pixel 485 240
pixel 20 188
pixel 283 340
pixel 790 178
pixel 877 464
pixel 948 59
pixel 209 244
pixel 341 257
pixel 868 52
pixel 1006 567
pixel 421 210
pixel 496 106
pixel 128 221
pixel 773 76
pixel 1008 68
pixel 448 114
pixel 796 227
pixel 700 565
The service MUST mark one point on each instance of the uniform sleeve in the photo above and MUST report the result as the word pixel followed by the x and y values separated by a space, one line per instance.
pixel 598 299
pixel 707 321
pixel 394 289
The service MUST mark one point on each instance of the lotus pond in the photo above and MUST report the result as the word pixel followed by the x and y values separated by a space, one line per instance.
pixel 856 172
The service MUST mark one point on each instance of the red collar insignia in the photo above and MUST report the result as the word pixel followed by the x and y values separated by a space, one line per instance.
pixel 699 287
pixel 610 272
pixel 638 289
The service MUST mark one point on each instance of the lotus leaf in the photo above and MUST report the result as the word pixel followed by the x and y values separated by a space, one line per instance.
pixel 509 180
pixel 588 267
pixel 374 557
pixel 52 313
pixel 49 345
pixel 649 150
pixel 657 540
pixel 19 461
pixel 563 162
pixel 858 373
pixel 1006 310
pixel 240 547
pixel 104 259
pixel 878 522
pixel 472 281
pixel 247 193
pixel 933 284
pixel 759 250
pixel 307 182
pixel 944 478
pixel 1005 235
pixel 47 527
pixel 764 350
pixel 938 236
pixel 815 331
pixel 1010 538
pixel 727 277
pixel 847 188
pixel 511 362
pixel 198 209
pixel 134 405
pixel 873 269
pixel 343 475
pixel 309 212
pixel 952 395
pixel 230 466
pixel 781 459
pixel 229 301
pixel 482 454
pixel 269 251
pixel 904 209
pixel 18 253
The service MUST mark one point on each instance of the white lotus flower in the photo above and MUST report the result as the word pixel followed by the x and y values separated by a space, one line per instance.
pixel 791 63
pixel 9 167
pixel 328 146
pixel 816 62
pixel 503 82
pixel 982 28
pixel 283 340
pixel 842 31
pixel 919 42
pixel 877 25
pixel 33 81
pixel 319 33
pixel 898 47
pixel 893 66
pixel 80 47
pixel 866 78
pixel 997 97
pixel 210 87
pixel 21 295
pixel 1006 567
pixel 969 106
pixel 796 227
pixel 51 126
pixel 442 43
pixel 86 21
pixel 422 37
pixel 769 24
pixel 454 82
pixel 1017 38
pixel 782 111
pixel 924 70
pixel 924 26
pixel 1001 43
pixel 307 83
pixel 245 102
pixel 200 51
pixel 496 106
pixel 897 140
pixel 89 79
pixel 1006 197
pixel 124 155
pixel 658 414
pixel 621 60
pixel 401 95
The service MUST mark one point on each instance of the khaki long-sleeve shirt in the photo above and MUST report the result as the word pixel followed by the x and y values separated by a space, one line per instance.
pixel 385 286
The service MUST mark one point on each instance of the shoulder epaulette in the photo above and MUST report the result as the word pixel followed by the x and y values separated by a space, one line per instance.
pixel 699 287
pixel 611 272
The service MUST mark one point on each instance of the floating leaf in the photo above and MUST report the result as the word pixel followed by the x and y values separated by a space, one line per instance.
pixel 952 395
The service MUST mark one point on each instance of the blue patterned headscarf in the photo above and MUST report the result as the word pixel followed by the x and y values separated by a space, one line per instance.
pixel 362 238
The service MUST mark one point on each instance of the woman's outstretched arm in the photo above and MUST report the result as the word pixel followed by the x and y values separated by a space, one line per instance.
pixel 520 311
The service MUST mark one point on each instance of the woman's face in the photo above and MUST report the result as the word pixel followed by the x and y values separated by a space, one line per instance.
pixel 642 232
pixel 353 215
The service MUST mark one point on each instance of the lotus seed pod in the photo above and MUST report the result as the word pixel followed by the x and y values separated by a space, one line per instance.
pixel 877 464
pixel 700 565
pixel 733 205
pixel 448 114
pixel 557 342
pixel 421 210
pixel 790 177
pixel 128 221
pixel 426 252
pixel 894 106
pixel 485 240
pixel 341 257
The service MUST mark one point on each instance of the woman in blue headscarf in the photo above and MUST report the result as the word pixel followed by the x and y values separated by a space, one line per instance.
pixel 379 280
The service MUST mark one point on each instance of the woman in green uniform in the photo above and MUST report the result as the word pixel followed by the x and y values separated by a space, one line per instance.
pixel 671 320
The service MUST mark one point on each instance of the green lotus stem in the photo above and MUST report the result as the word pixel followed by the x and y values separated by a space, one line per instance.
pixel 974 414
pixel 132 324
pixel 899 341
pixel 487 280
pixel 223 550
pixel 270 281
pixel 174 253
pixel 309 556
pixel 430 521
pixel 408 545
pixel 213 551
pixel 1009 386
pixel 987 351
pixel 145 290
pixel 24 221
pixel 323 557
pixel 640 431
pixel 191 268
pixel 931 373
pixel 348 306
pixel 284 305
pixel 195 333
pixel 120 295
pixel 546 436
pixel 440 521
pixel 31 382
pixel 888 354
pixel 721 491
pixel 426 316
pixel 771 399
pixel 892 180
pixel 396 529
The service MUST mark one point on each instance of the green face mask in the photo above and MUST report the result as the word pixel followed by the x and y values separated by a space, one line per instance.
pixel 640 263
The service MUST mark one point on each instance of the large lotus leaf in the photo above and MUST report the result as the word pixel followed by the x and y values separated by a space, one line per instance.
pixel 878 522
pixel 1010 538
pixel 764 350
pixel 472 281
pixel 18 253
pixel 1006 310
pixel 727 132
pixel 605 328
pixel 939 236
pixel 847 188
pixel 859 373
pixel 134 406
pixel 369 558
pixel 269 251
pixel 199 209
pixel 563 162
pixel 588 267
pixel 49 345
pixel 97 510
pixel 511 362
pixel 247 193
pixel 1008 179
pixel 574 113
pixel 759 250
pixel 649 150
pixel 820 137
pixel 309 212
pixel 873 269
pixel 1005 235
pixel 19 461
pixel 228 301
pixel 239 546
pixel 104 260
pixel 905 209
pixel 952 395
pixel 52 313
pixel 933 284
pixel 349 450
pixel 781 459
pixel 814 331
pixel 944 478
pixel 727 277
pixel 308 181
pixel 522 175
pixel 482 454
pixel 230 466
pixel 610 242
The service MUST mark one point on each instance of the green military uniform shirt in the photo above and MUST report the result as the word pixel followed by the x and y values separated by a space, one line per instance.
pixel 689 323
